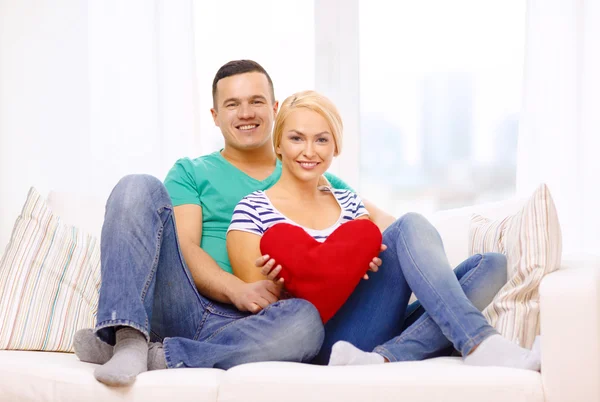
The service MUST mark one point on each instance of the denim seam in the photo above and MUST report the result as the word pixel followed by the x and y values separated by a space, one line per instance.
pixel 167 354
pixel 410 330
pixel 213 310
pixel 152 272
pixel 201 325
pixel 186 270
pixel 469 345
pixel 431 286
pixel 218 331
pixel 470 275
pixel 121 322
pixel 382 350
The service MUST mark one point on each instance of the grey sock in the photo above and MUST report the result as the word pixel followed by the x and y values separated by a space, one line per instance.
pixel 90 349
pixel 156 357
pixel 130 358
pixel 498 351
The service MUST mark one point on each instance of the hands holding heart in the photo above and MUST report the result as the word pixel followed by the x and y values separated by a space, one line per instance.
pixel 323 273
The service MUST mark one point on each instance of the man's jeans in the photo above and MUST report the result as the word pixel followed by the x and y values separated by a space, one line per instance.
pixel 375 317
pixel 147 285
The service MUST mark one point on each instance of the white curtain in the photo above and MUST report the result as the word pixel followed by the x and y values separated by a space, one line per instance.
pixel 91 91
pixel 559 139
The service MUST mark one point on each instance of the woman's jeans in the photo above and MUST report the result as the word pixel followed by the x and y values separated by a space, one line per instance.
pixel 146 285
pixel 375 317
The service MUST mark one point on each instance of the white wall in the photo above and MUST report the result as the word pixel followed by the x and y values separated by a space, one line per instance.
pixel 44 100
pixel 91 91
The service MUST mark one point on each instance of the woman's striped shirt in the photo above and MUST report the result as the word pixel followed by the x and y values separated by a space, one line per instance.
pixel 255 213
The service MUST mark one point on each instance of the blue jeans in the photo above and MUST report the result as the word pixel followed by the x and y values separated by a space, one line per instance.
pixel 374 318
pixel 147 285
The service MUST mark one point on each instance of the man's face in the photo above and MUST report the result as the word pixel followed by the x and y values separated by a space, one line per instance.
pixel 244 110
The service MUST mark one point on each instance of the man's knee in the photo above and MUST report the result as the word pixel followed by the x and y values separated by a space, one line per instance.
pixel 302 329
pixel 135 189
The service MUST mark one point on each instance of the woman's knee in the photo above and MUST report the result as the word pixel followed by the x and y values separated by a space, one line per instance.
pixel 497 266
pixel 412 220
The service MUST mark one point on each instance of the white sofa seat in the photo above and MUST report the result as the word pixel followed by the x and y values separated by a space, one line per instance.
pixel 47 376
pixel 441 379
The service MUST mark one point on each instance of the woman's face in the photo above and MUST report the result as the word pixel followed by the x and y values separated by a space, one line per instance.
pixel 307 146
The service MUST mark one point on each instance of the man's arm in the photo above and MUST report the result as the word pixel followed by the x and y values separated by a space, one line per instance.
pixel 209 278
pixel 378 216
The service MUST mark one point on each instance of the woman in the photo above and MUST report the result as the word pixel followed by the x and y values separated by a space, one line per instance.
pixel 307 136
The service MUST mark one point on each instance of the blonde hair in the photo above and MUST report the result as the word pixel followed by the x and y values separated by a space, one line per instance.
pixel 316 102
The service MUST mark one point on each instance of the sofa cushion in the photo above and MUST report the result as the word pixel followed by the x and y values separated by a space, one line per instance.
pixel 83 211
pixel 531 240
pixel 453 224
pixel 49 281
pixel 442 379
pixel 44 376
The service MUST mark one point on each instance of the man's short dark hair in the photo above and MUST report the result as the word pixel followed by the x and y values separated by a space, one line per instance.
pixel 237 67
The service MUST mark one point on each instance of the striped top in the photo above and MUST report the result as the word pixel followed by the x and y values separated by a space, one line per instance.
pixel 255 213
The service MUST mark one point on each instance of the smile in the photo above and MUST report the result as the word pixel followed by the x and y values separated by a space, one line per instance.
pixel 308 165
pixel 247 127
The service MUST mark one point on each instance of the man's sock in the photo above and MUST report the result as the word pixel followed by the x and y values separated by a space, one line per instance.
pixel 130 358
pixel 90 349
pixel 498 351
pixel 346 354
pixel 156 357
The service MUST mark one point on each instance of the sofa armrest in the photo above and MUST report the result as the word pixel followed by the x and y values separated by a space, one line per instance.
pixel 570 329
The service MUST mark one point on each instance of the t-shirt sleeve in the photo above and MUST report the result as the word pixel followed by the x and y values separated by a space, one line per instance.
pixel 360 209
pixel 246 219
pixel 338 183
pixel 181 183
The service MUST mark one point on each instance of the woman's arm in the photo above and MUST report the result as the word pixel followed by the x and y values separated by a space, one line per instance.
pixel 378 216
pixel 244 249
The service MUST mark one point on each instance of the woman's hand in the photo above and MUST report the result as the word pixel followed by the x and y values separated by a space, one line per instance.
pixel 268 268
pixel 376 263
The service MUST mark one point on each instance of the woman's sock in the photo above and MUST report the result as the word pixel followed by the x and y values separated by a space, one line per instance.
pixel 130 358
pixel 90 349
pixel 346 354
pixel 498 351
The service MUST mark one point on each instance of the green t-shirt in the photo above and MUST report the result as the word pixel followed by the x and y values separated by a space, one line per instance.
pixel 217 186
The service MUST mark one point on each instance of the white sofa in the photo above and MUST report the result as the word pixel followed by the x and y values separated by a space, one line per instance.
pixel 570 326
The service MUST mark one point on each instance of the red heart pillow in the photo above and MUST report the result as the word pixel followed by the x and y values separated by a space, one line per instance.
pixel 326 273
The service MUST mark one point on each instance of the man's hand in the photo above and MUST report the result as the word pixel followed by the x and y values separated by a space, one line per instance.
pixel 255 296
pixel 376 263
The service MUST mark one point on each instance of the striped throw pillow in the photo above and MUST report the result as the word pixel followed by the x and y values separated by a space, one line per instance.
pixel 531 240
pixel 49 281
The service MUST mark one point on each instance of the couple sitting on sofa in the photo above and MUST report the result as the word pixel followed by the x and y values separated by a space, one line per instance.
pixel 169 297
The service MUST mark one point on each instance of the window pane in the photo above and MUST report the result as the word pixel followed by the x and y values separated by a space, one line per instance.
pixel 440 95
pixel 277 34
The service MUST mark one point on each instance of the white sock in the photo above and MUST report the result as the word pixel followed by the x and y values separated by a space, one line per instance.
pixel 498 351
pixel 346 354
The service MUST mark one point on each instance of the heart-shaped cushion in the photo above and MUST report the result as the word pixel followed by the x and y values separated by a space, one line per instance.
pixel 325 273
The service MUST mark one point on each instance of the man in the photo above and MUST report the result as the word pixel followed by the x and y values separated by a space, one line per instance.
pixel 173 283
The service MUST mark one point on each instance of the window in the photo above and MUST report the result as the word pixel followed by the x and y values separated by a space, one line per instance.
pixel 440 94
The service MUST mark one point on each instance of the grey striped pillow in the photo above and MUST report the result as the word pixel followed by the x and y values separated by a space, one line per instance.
pixel 531 240
pixel 49 281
